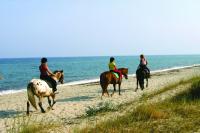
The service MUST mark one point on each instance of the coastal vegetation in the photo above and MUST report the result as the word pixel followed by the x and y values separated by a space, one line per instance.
pixel 179 113
pixel 31 124
pixel 173 108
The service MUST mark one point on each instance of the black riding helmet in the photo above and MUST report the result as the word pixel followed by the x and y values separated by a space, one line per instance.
pixel 44 60
pixel 112 59
pixel 141 56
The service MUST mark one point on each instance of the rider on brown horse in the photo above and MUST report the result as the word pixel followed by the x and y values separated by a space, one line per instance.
pixel 113 68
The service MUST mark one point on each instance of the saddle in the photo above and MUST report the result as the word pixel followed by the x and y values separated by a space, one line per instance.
pixel 145 70
pixel 116 74
pixel 51 83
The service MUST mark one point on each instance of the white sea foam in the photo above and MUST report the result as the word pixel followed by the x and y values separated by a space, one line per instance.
pixel 175 68
pixel 152 72
pixel 11 91
pixel 81 82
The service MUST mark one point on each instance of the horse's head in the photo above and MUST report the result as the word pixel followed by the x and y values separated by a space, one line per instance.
pixel 124 72
pixel 60 76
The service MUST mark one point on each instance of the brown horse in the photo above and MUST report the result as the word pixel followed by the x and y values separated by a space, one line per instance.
pixel 107 78
pixel 41 89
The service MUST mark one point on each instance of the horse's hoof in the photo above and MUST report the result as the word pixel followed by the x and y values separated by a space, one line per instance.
pixel 112 95
pixel 43 111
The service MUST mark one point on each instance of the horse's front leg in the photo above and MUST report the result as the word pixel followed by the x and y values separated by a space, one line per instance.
pixel 28 106
pixel 137 84
pixel 114 85
pixel 119 88
pixel 147 82
pixel 49 101
pixel 40 104
pixel 54 102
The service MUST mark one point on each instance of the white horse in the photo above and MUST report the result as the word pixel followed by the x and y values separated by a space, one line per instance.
pixel 41 89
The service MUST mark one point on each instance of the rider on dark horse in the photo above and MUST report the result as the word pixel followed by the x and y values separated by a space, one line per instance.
pixel 143 64
pixel 45 74
pixel 113 68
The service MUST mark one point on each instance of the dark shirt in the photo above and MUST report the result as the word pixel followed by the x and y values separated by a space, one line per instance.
pixel 43 70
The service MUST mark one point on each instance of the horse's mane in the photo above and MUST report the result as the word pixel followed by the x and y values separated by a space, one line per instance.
pixel 56 71
pixel 122 68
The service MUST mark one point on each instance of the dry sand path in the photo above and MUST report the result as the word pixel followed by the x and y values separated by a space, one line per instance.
pixel 73 101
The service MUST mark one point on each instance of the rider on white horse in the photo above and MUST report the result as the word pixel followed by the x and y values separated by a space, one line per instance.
pixel 45 74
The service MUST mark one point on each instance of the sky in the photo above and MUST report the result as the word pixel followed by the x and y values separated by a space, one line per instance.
pixel 61 28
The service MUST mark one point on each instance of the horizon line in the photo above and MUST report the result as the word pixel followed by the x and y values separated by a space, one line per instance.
pixel 85 56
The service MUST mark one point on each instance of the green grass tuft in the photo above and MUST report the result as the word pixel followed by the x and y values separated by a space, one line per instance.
pixel 102 107
pixel 38 128
pixel 25 124
pixel 192 94
pixel 171 87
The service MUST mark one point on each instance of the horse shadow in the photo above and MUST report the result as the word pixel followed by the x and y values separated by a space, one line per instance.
pixel 9 113
pixel 75 99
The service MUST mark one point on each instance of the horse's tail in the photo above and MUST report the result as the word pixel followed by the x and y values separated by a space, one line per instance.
pixel 103 80
pixel 31 96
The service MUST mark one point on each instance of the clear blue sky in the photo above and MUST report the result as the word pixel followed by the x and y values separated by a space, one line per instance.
pixel 35 28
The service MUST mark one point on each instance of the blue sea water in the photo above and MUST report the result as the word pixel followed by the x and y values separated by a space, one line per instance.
pixel 17 73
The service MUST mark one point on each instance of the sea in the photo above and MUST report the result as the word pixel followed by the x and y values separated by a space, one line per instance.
pixel 17 72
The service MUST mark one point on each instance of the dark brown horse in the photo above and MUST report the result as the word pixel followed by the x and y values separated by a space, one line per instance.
pixel 141 75
pixel 107 78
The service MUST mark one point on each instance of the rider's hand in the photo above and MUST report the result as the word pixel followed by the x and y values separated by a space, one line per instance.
pixel 52 74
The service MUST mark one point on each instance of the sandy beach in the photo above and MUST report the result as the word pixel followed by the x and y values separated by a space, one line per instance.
pixel 74 100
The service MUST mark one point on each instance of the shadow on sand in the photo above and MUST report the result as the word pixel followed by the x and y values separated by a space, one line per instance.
pixel 75 99
pixel 9 113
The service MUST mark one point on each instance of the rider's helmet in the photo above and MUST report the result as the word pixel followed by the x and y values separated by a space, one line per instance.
pixel 141 56
pixel 112 59
pixel 44 60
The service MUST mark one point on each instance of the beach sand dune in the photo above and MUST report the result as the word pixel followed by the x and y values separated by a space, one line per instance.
pixel 74 100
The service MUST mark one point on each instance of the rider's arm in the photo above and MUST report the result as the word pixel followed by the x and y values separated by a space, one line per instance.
pixel 48 71
pixel 115 67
